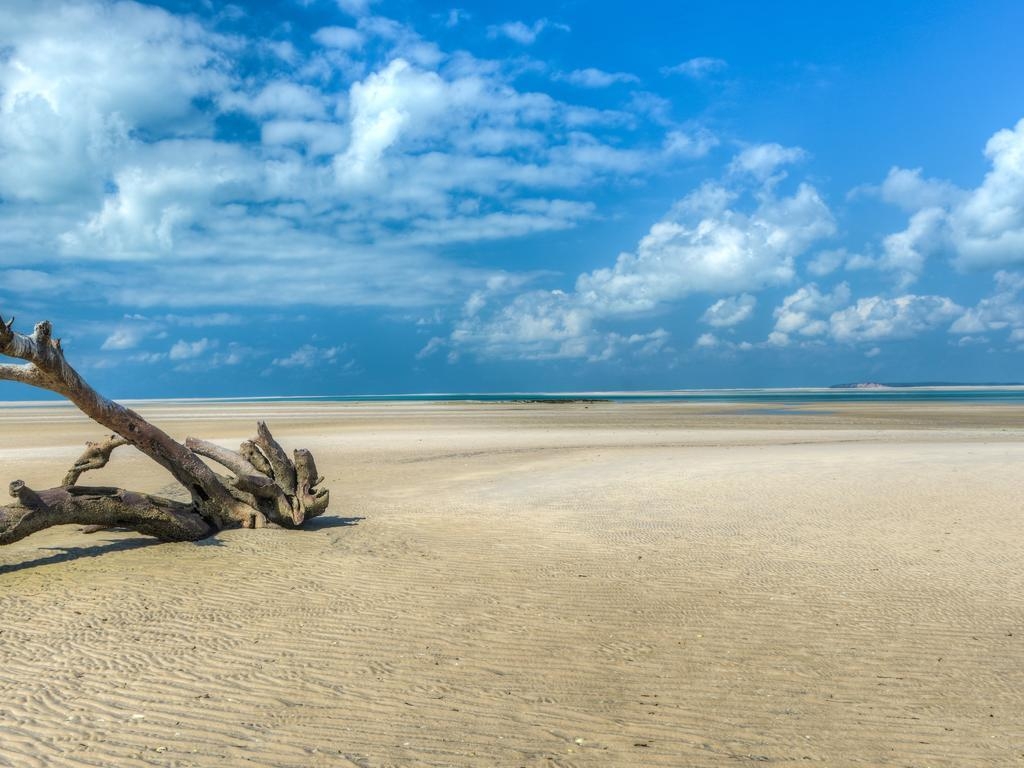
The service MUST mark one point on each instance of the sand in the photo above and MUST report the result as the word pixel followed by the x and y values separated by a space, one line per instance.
pixel 540 585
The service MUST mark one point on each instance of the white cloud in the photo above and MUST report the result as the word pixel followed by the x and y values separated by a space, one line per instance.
pixel 78 79
pixel 904 317
pixel 708 243
pixel 640 345
pixel 908 190
pixel 147 358
pixel 279 98
pixel 132 330
pixel 1002 310
pixel 805 312
pixel 827 262
pixel 187 350
pixel 124 338
pixel 35 281
pixel 356 7
pixel 309 356
pixel 905 252
pixel 524 34
pixel 812 315
pixel 730 311
pixel 455 17
pixel 987 227
pixel 341 38
pixel 652 106
pixel 980 228
pixel 596 78
pixel 707 341
pixel 432 346
pixel 763 160
pixel 689 144
pixel 696 68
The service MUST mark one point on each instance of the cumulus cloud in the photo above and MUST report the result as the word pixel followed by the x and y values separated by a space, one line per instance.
pixel 712 241
pixel 78 79
pixel 762 161
pixel 123 338
pixel 730 311
pixel 907 189
pixel 811 314
pixel 278 98
pixel 979 228
pixel 987 226
pixel 1003 310
pixel 707 341
pixel 828 261
pixel 707 244
pixel 905 252
pixel 805 312
pixel 186 350
pixel 903 317
pixel 696 68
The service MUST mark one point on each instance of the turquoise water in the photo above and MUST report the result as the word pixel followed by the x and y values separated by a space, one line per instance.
pixel 1014 394
pixel 781 397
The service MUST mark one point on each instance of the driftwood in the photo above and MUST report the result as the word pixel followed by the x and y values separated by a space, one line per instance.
pixel 266 487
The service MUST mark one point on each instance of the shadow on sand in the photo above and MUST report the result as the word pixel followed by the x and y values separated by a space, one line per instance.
pixel 324 522
pixel 66 554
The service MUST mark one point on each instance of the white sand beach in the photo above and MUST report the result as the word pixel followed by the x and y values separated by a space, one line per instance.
pixel 539 585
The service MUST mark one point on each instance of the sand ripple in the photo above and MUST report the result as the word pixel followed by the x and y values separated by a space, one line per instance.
pixel 651 598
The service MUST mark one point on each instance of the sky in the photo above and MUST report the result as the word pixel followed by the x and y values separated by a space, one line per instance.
pixel 317 197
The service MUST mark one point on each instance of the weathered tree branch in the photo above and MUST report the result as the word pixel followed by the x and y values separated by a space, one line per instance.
pixel 96 456
pixel 108 507
pixel 276 505
pixel 267 486
pixel 312 502
pixel 283 470
pixel 254 456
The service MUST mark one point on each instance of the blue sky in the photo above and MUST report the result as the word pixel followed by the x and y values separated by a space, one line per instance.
pixel 349 196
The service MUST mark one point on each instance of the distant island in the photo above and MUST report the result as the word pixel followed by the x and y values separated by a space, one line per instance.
pixel 909 384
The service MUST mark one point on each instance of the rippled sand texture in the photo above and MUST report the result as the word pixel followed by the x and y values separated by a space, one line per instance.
pixel 545 585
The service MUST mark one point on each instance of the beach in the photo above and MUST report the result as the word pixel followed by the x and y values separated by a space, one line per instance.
pixel 539 584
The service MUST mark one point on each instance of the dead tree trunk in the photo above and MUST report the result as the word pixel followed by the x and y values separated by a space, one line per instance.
pixel 266 486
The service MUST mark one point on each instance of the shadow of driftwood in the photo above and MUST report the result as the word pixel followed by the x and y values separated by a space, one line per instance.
pixel 324 522
pixel 64 554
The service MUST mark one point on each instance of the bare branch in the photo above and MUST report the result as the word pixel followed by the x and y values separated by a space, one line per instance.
pixel 23 374
pixel 284 470
pixel 251 453
pixel 25 495
pixel 229 459
pixel 96 456
pixel 108 507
